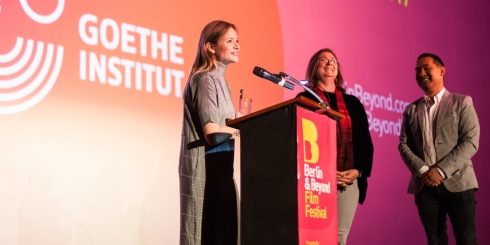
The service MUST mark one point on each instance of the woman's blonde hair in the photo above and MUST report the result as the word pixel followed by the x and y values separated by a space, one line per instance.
pixel 212 32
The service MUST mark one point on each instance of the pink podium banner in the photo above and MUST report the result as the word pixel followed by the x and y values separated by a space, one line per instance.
pixel 317 189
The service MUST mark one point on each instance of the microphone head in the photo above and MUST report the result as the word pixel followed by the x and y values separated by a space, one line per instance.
pixel 282 74
pixel 258 71
pixel 267 75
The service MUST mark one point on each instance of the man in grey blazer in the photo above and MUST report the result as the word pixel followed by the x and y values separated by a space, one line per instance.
pixel 440 134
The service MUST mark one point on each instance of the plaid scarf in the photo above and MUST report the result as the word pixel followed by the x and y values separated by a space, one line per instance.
pixel 345 152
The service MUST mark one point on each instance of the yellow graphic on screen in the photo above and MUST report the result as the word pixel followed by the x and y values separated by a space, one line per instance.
pixel 310 144
pixel 401 2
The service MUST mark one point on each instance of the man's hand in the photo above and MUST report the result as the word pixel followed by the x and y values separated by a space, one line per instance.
pixel 432 177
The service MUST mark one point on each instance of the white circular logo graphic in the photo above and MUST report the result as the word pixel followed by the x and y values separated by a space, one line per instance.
pixel 43 19
pixel 30 69
pixel 27 73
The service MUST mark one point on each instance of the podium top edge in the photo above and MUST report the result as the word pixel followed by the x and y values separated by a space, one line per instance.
pixel 301 101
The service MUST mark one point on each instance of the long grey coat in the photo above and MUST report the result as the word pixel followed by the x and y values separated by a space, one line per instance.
pixel 206 99
pixel 456 140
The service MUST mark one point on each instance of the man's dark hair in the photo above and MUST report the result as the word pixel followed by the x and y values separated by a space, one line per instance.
pixel 435 57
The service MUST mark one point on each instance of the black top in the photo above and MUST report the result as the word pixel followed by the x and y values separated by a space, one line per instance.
pixel 361 138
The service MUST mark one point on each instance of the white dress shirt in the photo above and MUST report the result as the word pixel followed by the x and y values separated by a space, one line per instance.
pixel 430 112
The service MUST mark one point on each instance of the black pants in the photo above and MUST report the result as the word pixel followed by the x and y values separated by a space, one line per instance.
pixel 220 223
pixel 435 204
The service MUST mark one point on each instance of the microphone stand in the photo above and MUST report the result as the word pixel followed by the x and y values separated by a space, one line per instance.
pixel 325 107
pixel 323 104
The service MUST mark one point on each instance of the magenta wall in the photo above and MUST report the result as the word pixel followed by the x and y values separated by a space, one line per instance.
pixel 377 43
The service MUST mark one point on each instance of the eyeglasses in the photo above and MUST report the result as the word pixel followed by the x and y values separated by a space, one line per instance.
pixel 327 61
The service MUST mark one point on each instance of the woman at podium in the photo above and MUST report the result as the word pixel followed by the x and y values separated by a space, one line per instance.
pixel 207 189
pixel 354 144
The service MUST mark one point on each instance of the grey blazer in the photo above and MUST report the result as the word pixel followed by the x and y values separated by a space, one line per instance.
pixel 456 141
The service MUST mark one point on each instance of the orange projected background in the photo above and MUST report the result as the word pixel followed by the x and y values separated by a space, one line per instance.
pixel 91 112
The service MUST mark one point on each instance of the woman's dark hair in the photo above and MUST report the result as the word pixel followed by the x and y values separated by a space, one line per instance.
pixel 311 75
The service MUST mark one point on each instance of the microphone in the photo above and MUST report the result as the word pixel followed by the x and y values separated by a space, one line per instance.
pixel 260 72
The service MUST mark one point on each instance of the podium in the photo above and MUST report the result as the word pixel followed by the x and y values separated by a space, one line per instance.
pixel 288 167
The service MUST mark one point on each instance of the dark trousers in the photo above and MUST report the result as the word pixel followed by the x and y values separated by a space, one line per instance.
pixel 435 204
pixel 220 222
